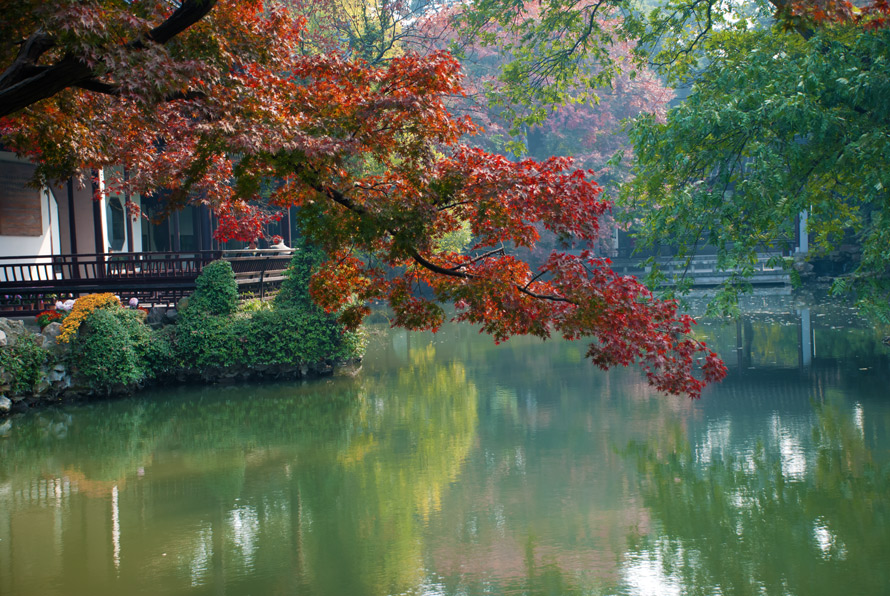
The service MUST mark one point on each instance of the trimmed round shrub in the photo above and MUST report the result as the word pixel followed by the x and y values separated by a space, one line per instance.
pixel 216 292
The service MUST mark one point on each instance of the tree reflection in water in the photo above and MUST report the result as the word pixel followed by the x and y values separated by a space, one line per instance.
pixel 222 488
pixel 745 524
pixel 452 466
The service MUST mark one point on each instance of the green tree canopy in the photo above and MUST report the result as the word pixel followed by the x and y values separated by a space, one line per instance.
pixel 777 124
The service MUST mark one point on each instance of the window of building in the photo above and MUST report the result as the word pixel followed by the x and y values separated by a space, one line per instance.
pixel 116 222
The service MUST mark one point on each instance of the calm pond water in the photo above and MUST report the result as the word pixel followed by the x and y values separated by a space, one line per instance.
pixel 448 465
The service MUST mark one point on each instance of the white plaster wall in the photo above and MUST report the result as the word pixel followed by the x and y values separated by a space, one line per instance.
pixel 45 244
pixel 54 239
pixel 83 219
pixel 137 225
pixel 31 245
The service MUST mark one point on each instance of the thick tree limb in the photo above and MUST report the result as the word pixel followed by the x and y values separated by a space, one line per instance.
pixel 25 83
pixel 25 64
pixel 188 13
pixel 46 83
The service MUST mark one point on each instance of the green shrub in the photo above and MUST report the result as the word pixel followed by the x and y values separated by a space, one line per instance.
pixel 216 292
pixel 296 331
pixel 160 353
pixel 210 341
pixel 294 292
pixel 20 365
pixel 111 348
pixel 292 336
pixel 281 337
pixel 314 334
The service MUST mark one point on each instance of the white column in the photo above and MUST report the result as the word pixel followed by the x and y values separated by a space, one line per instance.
pixel 803 246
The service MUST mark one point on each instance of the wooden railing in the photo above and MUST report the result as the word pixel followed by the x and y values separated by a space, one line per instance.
pixel 29 284
pixel 258 270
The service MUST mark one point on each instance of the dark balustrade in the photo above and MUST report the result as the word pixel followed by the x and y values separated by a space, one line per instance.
pixel 159 278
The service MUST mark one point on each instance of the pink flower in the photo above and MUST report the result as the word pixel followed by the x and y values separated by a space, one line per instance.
pixel 67 305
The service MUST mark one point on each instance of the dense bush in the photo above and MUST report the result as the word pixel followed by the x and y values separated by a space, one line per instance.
pixel 281 337
pixel 306 329
pixel 294 332
pixel 160 356
pixel 111 348
pixel 293 336
pixel 20 365
pixel 204 340
pixel 216 292
pixel 294 292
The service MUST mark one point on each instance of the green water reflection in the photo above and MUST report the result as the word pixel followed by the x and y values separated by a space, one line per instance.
pixel 787 520
pixel 448 465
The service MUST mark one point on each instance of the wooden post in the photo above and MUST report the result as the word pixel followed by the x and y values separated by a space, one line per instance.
pixel 214 243
pixel 174 221
pixel 74 269
pixel 130 243
pixel 285 228
pixel 98 236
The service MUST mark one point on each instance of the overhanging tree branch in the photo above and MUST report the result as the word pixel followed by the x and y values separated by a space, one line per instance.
pixel 338 197
pixel 451 272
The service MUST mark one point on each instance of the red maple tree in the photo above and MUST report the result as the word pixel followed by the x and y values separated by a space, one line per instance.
pixel 229 112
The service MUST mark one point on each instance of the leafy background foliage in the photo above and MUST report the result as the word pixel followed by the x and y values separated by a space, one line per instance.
pixel 776 125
